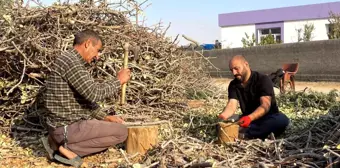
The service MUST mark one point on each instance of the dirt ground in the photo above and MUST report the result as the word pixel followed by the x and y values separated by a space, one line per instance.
pixel 324 87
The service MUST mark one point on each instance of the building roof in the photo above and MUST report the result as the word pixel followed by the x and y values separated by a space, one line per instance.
pixel 305 12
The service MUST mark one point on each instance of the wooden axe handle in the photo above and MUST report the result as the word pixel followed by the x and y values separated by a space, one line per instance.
pixel 125 66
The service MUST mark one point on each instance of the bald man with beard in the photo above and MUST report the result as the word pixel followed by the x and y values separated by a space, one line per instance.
pixel 255 94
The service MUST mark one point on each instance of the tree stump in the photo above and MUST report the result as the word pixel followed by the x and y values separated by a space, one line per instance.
pixel 227 132
pixel 141 138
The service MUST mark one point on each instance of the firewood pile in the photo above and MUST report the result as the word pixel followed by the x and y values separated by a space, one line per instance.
pixel 314 146
pixel 163 78
pixel 31 38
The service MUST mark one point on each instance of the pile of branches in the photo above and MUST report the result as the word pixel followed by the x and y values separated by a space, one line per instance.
pixel 162 77
pixel 31 38
pixel 315 143
pixel 315 146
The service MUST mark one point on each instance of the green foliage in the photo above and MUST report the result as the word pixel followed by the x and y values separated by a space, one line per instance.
pixel 334 26
pixel 310 99
pixel 198 94
pixel 269 39
pixel 5 86
pixel 200 125
pixel 247 42
pixel 305 108
pixel 302 108
pixel 307 33
pixel 24 93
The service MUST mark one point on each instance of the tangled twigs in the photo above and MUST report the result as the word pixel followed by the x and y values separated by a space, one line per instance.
pixel 21 78
pixel 163 79
pixel 161 74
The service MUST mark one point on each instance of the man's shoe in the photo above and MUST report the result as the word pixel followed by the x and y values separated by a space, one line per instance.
pixel 76 162
pixel 48 149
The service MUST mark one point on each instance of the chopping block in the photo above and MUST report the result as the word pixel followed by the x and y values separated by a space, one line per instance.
pixel 141 138
pixel 227 132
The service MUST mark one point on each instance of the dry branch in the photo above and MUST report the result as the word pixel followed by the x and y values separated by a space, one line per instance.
pixel 161 74
pixel 163 78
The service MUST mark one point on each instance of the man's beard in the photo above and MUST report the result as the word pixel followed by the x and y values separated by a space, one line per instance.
pixel 240 77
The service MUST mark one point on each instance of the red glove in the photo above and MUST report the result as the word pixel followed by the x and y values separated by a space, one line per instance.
pixel 245 121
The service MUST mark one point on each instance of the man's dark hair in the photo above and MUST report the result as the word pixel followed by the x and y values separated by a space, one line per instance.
pixel 84 35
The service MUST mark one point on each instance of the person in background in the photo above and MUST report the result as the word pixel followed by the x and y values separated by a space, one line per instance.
pixel 218 45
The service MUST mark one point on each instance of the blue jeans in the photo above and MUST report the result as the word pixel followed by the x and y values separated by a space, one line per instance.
pixel 270 123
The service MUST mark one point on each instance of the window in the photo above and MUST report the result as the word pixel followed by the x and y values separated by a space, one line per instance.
pixel 275 32
pixel 265 31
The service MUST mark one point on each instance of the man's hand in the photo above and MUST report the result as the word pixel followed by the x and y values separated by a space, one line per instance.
pixel 223 116
pixel 114 119
pixel 245 121
pixel 229 110
pixel 124 75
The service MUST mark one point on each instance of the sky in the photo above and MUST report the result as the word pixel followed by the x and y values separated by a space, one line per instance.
pixel 198 19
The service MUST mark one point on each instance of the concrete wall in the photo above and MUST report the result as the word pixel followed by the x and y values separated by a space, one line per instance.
pixel 291 27
pixel 319 60
pixel 231 36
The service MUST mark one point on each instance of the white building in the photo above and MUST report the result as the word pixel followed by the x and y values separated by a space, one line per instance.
pixel 283 23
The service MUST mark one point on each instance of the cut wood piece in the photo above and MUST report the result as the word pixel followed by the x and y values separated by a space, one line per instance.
pixel 227 132
pixel 141 138
pixel 195 103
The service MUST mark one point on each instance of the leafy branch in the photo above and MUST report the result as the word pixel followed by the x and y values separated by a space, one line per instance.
pixel 247 42
pixel 334 26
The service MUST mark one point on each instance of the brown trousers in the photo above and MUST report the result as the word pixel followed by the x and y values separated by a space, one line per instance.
pixel 90 136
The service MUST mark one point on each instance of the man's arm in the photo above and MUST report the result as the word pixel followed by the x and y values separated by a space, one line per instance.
pixel 81 80
pixel 84 84
pixel 231 107
pixel 229 110
pixel 262 109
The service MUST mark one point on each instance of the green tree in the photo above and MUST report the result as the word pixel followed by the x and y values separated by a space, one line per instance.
pixel 247 42
pixel 268 39
pixel 308 31
pixel 334 26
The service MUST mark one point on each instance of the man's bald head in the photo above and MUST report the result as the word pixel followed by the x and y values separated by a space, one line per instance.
pixel 239 66
pixel 238 58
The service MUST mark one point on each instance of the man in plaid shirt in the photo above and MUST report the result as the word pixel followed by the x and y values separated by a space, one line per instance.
pixel 76 130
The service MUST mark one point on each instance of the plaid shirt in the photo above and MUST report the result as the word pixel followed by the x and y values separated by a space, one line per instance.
pixel 71 91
